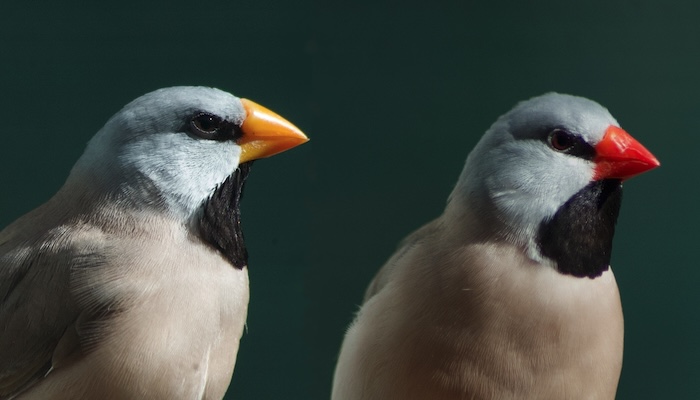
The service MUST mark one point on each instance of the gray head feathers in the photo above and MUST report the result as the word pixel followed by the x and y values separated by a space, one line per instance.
pixel 514 180
pixel 146 144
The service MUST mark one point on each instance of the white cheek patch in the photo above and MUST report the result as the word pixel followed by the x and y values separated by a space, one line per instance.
pixel 185 170
pixel 530 183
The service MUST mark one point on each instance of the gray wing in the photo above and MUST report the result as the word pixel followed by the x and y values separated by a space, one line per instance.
pixel 406 246
pixel 38 312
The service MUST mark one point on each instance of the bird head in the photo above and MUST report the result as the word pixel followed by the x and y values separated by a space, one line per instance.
pixel 541 155
pixel 180 143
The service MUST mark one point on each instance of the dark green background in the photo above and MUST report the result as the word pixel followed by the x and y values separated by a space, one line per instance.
pixel 393 95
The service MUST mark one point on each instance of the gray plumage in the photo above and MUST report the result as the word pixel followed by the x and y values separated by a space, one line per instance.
pixel 106 290
pixel 469 307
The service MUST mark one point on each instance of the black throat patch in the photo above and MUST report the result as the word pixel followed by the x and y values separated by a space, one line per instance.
pixel 220 221
pixel 579 237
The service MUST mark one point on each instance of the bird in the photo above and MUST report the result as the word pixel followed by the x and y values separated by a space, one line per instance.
pixel 131 282
pixel 508 294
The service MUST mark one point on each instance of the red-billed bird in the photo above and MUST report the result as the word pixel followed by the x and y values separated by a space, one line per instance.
pixel 509 293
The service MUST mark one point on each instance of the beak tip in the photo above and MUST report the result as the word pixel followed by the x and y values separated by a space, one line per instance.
pixel 621 156
pixel 265 133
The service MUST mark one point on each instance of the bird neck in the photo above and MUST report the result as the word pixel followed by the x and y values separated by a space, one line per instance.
pixel 579 237
pixel 218 222
pixel 576 239
pixel 475 218
pixel 95 188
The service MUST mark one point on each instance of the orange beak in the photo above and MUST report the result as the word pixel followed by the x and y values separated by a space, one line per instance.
pixel 620 156
pixel 265 133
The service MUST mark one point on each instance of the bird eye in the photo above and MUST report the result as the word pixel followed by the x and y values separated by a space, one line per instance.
pixel 206 124
pixel 561 140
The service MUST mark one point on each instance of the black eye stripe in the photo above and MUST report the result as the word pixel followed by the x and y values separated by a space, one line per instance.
pixel 563 141
pixel 212 127
pixel 207 122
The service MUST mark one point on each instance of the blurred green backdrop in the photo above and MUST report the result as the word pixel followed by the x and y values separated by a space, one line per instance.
pixel 393 95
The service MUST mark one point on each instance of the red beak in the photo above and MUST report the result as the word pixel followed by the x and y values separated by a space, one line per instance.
pixel 619 156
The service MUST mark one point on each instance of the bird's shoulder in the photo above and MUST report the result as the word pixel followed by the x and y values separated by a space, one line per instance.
pixel 38 255
pixel 408 245
pixel 53 261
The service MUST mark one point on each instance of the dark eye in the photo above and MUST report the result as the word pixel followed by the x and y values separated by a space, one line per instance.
pixel 561 140
pixel 206 125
